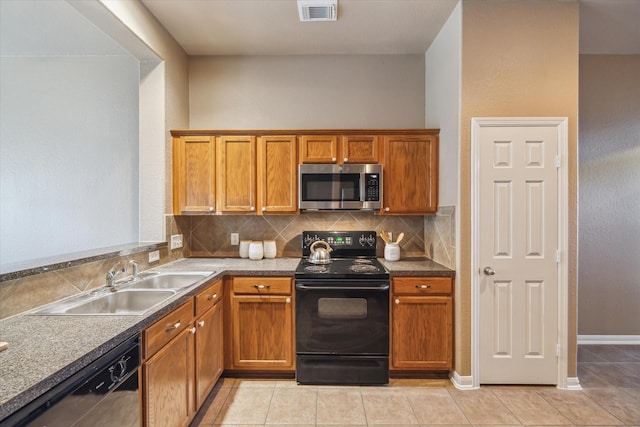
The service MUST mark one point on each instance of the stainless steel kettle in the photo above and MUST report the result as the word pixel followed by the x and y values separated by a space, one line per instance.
pixel 320 255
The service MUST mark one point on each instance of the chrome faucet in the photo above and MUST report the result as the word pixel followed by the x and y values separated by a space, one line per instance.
pixel 134 269
pixel 112 274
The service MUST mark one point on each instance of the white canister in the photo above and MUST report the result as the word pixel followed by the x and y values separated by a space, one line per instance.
pixel 244 248
pixel 269 247
pixel 392 252
pixel 255 250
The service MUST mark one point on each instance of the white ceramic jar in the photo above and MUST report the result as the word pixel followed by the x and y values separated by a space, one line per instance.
pixel 269 247
pixel 392 252
pixel 244 248
pixel 255 250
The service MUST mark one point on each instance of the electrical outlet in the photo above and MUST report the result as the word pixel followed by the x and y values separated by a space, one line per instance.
pixel 235 239
pixel 176 241
pixel 154 256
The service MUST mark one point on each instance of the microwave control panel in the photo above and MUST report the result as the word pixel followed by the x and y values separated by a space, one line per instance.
pixel 372 187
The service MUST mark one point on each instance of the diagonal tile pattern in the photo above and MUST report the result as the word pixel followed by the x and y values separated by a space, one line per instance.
pixel 609 375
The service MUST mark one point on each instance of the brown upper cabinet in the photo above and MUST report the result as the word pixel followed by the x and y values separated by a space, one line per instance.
pixel 277 174
pixel 236 174
pixel 194 175
pixel 410 181
pixel 339 149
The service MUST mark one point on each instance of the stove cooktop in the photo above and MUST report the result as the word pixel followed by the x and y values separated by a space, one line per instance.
pixel 343 268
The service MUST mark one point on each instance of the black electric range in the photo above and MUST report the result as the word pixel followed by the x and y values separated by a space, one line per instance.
pixel 342 312
pixel 353 256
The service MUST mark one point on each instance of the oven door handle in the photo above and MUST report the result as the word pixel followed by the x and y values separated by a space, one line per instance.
pixel 302 287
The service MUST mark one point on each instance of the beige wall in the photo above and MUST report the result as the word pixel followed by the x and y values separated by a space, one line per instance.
pixel 288 92
pixel 519 59
pixel 609 225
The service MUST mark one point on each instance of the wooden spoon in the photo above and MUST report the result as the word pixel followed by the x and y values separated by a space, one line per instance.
pixel 384 237
pixel 400 237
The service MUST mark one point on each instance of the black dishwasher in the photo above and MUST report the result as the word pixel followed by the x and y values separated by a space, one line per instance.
pixel 104 393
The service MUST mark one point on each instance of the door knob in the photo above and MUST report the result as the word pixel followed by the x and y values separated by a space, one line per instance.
pixel 489 271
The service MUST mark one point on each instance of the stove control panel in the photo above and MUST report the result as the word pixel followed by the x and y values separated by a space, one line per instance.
pixel 343 243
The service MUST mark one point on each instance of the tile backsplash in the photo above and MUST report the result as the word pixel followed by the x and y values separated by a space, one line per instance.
pixel 210 236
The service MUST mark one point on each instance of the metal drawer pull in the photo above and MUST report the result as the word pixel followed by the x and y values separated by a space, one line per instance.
pixel 201 323
pixel 423 286
pixel 193 330
pixel 397 301
pixel 171 328
pixel 288 300
pixel 210 297
pixel 262 286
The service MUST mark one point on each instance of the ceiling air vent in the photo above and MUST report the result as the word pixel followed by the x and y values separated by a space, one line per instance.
pixel 317 10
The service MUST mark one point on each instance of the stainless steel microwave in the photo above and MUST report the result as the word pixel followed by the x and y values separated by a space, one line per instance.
pixel 335 187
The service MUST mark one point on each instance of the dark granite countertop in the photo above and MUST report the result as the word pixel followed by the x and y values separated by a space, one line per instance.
pixel 45 350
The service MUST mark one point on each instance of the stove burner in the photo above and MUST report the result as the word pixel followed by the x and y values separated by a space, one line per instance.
pixel 316 269
pixel 363 268
pixel 362 261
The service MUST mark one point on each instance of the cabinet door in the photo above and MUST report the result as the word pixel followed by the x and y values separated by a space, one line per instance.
pixel 360 149
pixel 422 333
pixel 410 174
pixel 236 174
pixel 263 332
pixel 277 174
pixel 194 175
pixel 318 149
pixel 168 384
pixel 209 352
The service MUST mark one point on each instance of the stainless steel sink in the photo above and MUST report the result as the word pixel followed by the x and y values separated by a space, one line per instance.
pixel 131 296
pixel 167 280
pixel 123 302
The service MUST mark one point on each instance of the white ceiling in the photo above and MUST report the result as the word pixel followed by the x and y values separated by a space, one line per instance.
pixel 272 27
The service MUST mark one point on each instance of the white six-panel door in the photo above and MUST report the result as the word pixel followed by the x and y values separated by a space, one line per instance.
pixel 518 254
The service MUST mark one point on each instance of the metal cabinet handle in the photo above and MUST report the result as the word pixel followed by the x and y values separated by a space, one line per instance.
pixel 193 330
pixel 288 300
pixel 423 286
pixel 387 209
pixel 264 209
pixel 397 301
pixel 333 159
pixel 201 323
pixel 261 286
pixel 489 271
pixel 210 208
pixel 210 297
pixel 346 159
pixel 175 326
pixel 253 208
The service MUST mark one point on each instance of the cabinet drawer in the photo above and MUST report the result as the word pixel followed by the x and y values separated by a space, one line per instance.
pixel 262 285
pixel 421 285
pixel 164 330
pixel 209 297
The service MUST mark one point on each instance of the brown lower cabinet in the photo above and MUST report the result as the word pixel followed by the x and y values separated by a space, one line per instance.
pixel 421 324
pixel 182 359
pixel 260 331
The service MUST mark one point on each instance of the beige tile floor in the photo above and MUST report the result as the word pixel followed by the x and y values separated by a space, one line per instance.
pixel 609 375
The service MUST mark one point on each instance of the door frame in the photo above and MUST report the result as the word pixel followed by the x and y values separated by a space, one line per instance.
pixel 561 124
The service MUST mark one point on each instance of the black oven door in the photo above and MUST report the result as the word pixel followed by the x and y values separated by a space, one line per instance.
pixel 342 317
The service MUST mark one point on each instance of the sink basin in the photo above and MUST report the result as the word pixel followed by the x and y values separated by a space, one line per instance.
pixel 123 302
pixel 167 280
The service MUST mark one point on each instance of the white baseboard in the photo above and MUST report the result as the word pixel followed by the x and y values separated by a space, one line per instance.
pixel 609 339
pixel 573 383
pixel 462 383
